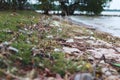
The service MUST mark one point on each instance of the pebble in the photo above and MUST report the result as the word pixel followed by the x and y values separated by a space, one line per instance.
pixel 92 38
pixel 1 46
pixel 83 37
pixel 102 62
pixel 104 69
pixel 50 36
pixel 70 40
pixel 108 73
pixel 57 50
pixel 6 43
pixel 70 50
pixel 83 76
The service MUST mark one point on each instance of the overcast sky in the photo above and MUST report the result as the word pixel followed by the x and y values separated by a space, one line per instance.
pixel 115 4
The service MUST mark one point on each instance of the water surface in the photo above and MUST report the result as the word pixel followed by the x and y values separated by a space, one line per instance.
pixel 110 24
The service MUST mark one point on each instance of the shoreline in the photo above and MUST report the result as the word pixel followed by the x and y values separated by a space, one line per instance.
pixel 90 27
pixel 81 24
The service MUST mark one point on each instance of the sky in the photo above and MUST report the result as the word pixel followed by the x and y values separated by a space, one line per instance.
pixel 115 4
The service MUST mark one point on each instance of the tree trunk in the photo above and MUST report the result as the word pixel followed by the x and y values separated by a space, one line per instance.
pixel 68 10
pixel 46 12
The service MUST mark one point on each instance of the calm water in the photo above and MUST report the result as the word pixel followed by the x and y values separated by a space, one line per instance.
pixel 110 24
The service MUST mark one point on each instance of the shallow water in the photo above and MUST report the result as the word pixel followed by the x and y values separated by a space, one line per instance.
pixel 110 24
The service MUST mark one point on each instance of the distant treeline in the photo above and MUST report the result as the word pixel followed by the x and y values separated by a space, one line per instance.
pixel 66 6
pixel 12 4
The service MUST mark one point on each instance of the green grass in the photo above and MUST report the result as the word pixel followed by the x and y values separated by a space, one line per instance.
pixel 9 19
pixel 12 20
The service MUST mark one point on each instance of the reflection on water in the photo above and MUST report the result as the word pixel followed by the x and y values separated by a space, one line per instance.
pixel 109 24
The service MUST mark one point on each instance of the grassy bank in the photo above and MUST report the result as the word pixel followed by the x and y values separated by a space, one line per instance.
pixel 32 46
pixel 33 39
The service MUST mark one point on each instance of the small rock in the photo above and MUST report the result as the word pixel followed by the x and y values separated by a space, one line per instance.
pixel 13 49
pixel 91 33
pixel 70 40
pixel 6 43
pixel 104 69
pixel 102 62
pixel 57 50
pixel 108 73
pixel 70 50
pixel 1 46
pixel 83 37
pixel 25 29
pixel 27 41
pixel 22 31
pixel 92 38
pixel 83 76
pixel 91 58
pixel 50 36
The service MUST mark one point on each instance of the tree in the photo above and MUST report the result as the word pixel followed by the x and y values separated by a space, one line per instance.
pixel 12 4
pixel 3 5
pixel 91 6
pixel 46 5
pixel 94 6
pixel 21 4
pixel 69 6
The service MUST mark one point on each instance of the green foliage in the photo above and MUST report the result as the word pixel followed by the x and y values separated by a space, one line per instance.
pixel 95 6
pixel 12 4
pixel 46 5
pixel 67 7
